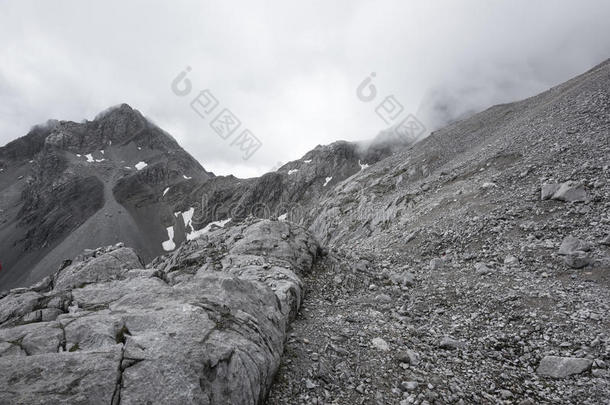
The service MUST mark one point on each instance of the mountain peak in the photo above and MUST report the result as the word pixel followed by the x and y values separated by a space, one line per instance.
pixel 117 111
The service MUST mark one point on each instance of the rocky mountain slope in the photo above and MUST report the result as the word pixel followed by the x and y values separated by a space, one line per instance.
pixel 71 186
pixel 473 267
pixel 67 187
pixel 470 267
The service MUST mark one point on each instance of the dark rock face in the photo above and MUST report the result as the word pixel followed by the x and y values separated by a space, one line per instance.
pixel 294 189
pixel 204 325
pixel 118 178
pixel 69 186
pixel 52 214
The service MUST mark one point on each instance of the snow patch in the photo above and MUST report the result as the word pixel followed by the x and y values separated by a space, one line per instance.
pixel 292 171
pixel 282 217
pixel 363 166
pixel 187 217
pixel 169 244
pixel 328 179
pixel 186 177
pixel 89 158
pixel 165 191
pixel 141 165
pixel 307 161
pixel 207 228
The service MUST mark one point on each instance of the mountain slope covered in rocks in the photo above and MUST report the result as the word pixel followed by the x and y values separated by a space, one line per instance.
pixel 470 267
pixel 71 186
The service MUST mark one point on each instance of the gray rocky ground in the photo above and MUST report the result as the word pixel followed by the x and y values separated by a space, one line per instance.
pixel 470 267
pixel 461 278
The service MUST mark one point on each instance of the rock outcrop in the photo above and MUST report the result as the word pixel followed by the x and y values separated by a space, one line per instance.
pixel 569 191
pixel 561 367
pixel 68 186
pixel 444 276
pixel 204 325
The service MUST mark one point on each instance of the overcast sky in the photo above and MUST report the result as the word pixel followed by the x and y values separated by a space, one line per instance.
pixel 288 70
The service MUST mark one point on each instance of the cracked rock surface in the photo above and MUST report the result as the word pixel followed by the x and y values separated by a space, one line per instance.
pixel 204 325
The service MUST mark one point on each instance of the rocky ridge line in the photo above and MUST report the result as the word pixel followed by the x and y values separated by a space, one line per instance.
pixel 203 325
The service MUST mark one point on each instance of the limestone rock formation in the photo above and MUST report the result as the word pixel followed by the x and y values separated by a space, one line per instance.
pixel 204 325
pixel 423 273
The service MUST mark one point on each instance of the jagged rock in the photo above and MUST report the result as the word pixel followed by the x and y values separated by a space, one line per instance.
pixel 577 260
pixel 207 322
pixel 213 336
pixel 561 367
pixel 60 378
pixel 108 266
pixel 93 332
pixel 408 356
pixel 34 338
pixel 548 190
pixel 569 191
pixel 482 269
pixel 380 344
pixel 406 278
pixel 606 240
pixel 511 260
pixel 571 244
pixel 409 385
pixel 450 343
pixel 16 305
pixel 573 250
pixel 437 263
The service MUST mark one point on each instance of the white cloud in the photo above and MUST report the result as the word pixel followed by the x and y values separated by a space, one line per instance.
pixel 288 70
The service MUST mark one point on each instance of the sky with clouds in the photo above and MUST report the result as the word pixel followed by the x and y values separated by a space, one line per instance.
pixel 288 70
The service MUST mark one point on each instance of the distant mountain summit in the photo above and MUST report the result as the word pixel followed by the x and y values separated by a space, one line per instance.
pixel 70 186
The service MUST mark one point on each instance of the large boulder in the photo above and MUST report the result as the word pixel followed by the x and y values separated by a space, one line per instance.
pixel 107 266
pixel 571 244
pixel 561 367
pixel 574 252
pixel 569 191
